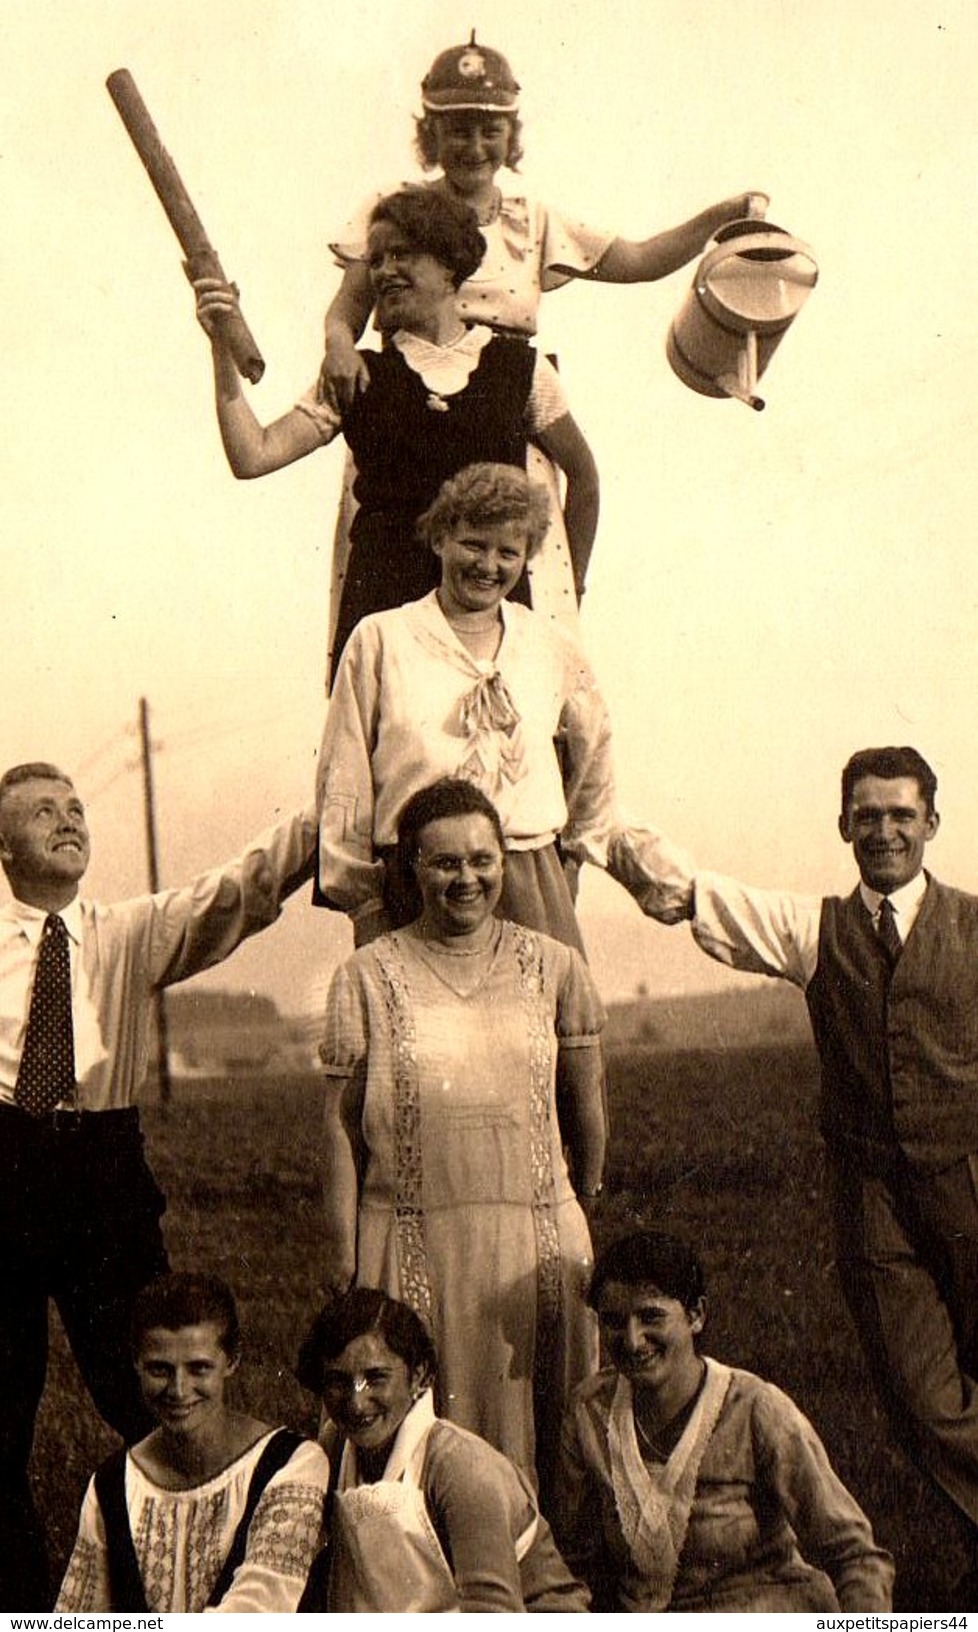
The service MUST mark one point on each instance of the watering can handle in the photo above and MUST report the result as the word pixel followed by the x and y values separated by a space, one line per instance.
pixel 757 204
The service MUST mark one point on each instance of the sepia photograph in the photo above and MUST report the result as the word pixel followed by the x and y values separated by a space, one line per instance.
pixel 489 923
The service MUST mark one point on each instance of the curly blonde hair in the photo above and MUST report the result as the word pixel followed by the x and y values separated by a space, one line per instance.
pixel 482 495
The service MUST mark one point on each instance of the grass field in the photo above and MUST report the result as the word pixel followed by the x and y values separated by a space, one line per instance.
pixel 718 1144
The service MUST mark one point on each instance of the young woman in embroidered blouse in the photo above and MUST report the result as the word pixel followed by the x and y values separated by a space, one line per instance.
pixel 464 1127
pixel 214 1510
pixel 424 1517
pixel 687 1485
pixel 465 683
pixel 440 396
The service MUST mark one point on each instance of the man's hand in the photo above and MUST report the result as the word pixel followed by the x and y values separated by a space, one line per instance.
pixel 337 1277
pixel 652 869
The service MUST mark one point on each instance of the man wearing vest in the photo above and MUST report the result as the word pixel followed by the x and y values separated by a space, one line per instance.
pixel 79 1208
pixel 890 976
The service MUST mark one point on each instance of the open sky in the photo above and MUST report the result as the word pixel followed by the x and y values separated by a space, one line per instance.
pixel 768 591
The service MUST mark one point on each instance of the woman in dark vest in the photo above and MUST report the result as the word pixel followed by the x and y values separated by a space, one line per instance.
pixel 213 1509
pixel 441 396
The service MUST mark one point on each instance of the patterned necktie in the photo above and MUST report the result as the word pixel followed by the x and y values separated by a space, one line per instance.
pixel 47 1064
pixel 887 930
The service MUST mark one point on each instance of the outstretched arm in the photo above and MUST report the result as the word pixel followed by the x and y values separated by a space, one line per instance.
pixel 252 449
pixel 625 261
pixel 179 932
pixel 763 932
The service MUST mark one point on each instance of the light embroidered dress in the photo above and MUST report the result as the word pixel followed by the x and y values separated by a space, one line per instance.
pixel 412 704
pixel 466 1210
pixel 182 1538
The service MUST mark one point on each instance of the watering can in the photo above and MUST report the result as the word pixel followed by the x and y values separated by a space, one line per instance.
pixel 749 287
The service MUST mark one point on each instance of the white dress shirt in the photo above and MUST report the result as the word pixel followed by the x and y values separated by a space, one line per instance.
pixel 771 932
pixel 906 903
pixel 121 953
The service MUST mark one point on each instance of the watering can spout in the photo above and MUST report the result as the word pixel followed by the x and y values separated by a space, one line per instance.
pixel 743 383
pixel 731 387
pixel 750 285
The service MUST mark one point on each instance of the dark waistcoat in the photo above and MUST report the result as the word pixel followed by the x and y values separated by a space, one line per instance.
pixel 404 448
pixel 899 1051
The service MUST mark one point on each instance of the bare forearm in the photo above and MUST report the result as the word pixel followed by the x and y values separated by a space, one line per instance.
pixel 340 1195
pixel 581 508
pixel 241 433
pixel 627 261
pixel 344 373
pixel 564 443
pixel 350 308
pixel 253 449
pixel 580 1089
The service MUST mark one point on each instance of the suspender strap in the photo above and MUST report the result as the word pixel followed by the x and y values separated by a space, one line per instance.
pixel 315 1593
pixel 125 1581
pixel 280 1448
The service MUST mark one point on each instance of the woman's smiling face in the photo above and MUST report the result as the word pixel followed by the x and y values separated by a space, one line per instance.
pixel 368 1390
pixel 472 146
pixel 411 286
pixel 182 1375
pixel 648 1335
pixel 480 565
pixel 459 870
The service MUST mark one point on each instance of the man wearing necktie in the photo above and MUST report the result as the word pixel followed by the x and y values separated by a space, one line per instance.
pixel 79 1208
pixel 890 976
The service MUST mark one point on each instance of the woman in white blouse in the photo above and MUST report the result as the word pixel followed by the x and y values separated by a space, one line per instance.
pixel 213 1510
pixel 463 683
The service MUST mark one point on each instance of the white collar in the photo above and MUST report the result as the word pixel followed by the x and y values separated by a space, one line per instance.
pixel 409 1436
pixel 30 920
pixel 471 341
pixel 483 665
pixel 445 370
pixel 905 901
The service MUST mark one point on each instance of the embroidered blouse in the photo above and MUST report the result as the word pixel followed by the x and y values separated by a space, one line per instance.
pixel 182 1538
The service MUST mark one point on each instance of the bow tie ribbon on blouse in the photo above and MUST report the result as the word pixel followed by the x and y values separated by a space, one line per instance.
pixel 489 709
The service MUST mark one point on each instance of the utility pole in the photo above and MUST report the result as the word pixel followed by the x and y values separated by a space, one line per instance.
pixel 149 807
